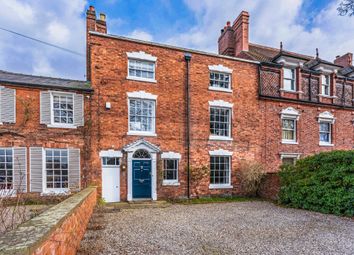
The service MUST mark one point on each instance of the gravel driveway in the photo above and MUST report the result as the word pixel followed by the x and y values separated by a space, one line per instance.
pixel 224 228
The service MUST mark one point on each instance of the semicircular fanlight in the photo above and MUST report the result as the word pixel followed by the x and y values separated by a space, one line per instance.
pixel 141 153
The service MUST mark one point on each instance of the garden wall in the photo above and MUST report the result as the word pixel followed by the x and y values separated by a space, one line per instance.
pixel 58 230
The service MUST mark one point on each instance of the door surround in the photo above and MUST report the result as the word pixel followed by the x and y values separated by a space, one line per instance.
pixel 153 150
pixel 111 154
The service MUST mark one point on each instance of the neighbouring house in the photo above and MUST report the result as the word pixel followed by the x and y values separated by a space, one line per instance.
pixel 42 134
pixel 170 122
pixel 156 121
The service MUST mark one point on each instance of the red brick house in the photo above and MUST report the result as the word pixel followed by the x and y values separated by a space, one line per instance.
pixel 176 122
pixel 158 121
pixel 42 134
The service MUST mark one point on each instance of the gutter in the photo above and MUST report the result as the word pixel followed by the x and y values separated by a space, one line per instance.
pixel 187 58
pixel 44 86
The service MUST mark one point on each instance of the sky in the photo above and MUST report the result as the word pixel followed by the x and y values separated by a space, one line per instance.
pixel 302 26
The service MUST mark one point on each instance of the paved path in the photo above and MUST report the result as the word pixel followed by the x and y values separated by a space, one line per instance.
pixel 227 228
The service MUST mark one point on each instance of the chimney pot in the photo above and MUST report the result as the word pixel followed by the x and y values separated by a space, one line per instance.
pixel 102 17
pixel 228 23
pixel 92 8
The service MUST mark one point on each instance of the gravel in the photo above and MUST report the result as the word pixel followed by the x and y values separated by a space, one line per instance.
pixel 222 228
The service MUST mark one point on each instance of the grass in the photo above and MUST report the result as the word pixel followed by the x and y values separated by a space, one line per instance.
pixel 208 200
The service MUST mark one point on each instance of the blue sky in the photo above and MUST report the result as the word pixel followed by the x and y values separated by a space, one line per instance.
pixel 302 25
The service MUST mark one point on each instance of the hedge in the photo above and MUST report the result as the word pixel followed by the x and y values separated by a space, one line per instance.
pixel 323 183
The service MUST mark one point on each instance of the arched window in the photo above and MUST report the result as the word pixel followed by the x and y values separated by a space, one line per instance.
pixel 141 153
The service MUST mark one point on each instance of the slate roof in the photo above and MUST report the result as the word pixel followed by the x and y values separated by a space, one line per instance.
pixel 44 82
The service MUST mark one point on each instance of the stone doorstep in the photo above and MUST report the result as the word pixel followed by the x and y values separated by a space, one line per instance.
pixel 139 204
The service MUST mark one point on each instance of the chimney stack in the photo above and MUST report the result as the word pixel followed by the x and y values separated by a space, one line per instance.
pixel 345 60
pixel 233 40
pixel 95 25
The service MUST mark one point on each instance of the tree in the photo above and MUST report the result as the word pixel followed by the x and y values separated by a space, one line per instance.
pixel 346 7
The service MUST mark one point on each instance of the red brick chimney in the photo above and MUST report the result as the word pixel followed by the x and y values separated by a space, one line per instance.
pixel 226 42
pixel 345 60
pixel 240 28
pixel 233 40
pixel 95 25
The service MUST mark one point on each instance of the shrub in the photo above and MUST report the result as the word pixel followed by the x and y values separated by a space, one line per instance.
pixel 250 175
pixel 323 183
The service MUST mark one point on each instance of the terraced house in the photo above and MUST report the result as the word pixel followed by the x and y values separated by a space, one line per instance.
pixel 170 121
pixel 159 121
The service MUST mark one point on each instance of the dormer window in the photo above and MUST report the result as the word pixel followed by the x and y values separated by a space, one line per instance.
pixel 326 84
pixel 289 79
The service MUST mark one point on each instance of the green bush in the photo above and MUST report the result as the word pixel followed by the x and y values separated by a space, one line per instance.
pixel 323 183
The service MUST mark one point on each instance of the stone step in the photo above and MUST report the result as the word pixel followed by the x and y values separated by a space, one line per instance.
pixel 139 204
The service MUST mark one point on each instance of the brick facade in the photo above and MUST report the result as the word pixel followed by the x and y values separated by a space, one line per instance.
pixel 257 97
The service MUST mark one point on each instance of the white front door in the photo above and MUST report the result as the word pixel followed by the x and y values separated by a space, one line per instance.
pixel 110 179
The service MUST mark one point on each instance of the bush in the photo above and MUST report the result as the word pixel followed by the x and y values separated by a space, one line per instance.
pixel 323 183
pixel 250 175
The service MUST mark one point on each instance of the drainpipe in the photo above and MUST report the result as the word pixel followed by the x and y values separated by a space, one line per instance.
pixel 187 58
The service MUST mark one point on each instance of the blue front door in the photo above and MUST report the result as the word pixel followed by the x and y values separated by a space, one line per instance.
pixel 141 178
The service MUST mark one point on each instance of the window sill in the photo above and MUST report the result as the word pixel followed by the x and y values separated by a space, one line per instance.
pixel 170 183
pixel 291 91
pixel 288 142
pixel 141 79
pixel 141 133
pixel 61 126
pixel 8 193
pixel 220 138
pixel 326 96
pixel 326 144
pixel 48 192
pixel 220 186
pixel 220 89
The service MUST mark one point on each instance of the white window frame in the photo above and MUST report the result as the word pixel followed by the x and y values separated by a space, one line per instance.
pixel 9 192
pixel 323 84
pixel 144 57
pixel 221 153
pixel 142 95
pixel 219 137
pixel 290 113
pixel 171 156
pixel 49 191
pixel 221 104
pixel 295 156
pixel 294 79
pixel 289 141
pixel 326 117
pixel 221 70
pixel 60 125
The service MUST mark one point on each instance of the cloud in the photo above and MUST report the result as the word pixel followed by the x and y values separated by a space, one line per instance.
pixel 57 22
pixel 141 35
pixel 271 21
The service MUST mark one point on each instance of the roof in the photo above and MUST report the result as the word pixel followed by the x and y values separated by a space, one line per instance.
pixel 41 81
pixel 267 54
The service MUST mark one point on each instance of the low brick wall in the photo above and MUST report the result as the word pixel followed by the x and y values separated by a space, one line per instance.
pixel 58 230
pixel 270 186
